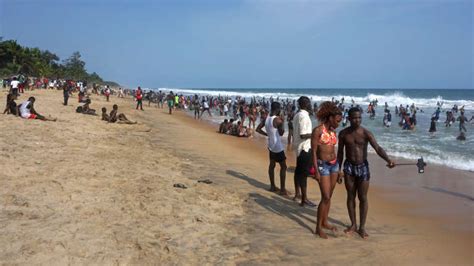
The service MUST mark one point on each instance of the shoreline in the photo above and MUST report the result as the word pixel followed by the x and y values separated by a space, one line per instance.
pixel 103 193
pixel 407 181
pixel 370 151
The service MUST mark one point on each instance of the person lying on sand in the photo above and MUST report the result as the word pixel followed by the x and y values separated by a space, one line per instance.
pixel 119 118
pixel 354 141
pixel 28 111
pixel 11 107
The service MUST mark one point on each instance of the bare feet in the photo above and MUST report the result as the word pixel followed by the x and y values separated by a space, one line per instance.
pixel 296 197
pixel 307 202
pixel 329 227
pixel 321 234
pixel 284 192
pixel 363 233
pixel 350 230
pixel 274 189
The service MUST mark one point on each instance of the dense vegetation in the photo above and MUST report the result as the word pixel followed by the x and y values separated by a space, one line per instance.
pixel 16 59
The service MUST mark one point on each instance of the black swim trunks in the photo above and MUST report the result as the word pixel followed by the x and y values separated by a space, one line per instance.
pixel 277 156
pixel 358 171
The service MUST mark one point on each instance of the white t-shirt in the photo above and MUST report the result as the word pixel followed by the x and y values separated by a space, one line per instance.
pixel 14 84
pixel 302 126
pixel 25 112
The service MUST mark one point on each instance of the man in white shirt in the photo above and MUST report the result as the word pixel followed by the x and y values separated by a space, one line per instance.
pixel 14 84
pixel 302 129
pixel 274 130
pixel 28 111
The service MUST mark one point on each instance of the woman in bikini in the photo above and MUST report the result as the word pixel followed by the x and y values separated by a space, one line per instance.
pixel 323 145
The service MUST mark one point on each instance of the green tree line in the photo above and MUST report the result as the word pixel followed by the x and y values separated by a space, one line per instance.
pixel 16 59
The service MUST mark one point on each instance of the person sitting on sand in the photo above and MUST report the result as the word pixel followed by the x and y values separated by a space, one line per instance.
pixel 11 107
pixel 119 118
pixel 243 131
pixel 28 111
pixel 274 130
pixel 229 127
pixel 223 126
pixel 323 147
pixel 105 116
pixel 354 141
pixel 85 109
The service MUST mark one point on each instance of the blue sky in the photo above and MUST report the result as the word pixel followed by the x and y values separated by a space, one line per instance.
pixel 296 44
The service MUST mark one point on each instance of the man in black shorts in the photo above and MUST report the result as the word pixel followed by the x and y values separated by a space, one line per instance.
pixel 356 168
pixel 274 130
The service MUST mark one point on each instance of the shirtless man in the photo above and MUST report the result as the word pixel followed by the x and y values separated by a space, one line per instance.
pixel 354 141
pixel 121 118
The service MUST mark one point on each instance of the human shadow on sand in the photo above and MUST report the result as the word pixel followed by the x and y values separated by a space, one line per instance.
pixel 455 194
pixel 281 205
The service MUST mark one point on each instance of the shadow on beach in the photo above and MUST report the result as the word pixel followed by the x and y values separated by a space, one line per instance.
pixel 455 194
pixel 282 206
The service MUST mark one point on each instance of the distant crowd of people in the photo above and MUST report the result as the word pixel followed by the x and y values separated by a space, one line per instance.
pixel 69 87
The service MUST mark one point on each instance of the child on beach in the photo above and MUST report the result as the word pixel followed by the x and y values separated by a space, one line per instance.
pixel 119 118
pixel 85 109
pixel 11 107
pixel 105 116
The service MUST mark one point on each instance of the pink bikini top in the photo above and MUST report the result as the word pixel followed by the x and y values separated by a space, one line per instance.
pixel 328 137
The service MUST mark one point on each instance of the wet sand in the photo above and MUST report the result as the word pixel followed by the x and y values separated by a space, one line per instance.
pixel 82 191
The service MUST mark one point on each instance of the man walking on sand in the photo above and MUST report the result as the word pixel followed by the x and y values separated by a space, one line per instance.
pixel 274 130
pixel 353 140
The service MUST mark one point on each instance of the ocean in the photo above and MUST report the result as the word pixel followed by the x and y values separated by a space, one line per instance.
pixel 441 148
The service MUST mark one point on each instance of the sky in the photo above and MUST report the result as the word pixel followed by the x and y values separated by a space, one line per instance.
pixel 255 44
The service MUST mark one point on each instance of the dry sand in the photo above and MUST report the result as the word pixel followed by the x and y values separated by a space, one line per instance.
pixel 81 191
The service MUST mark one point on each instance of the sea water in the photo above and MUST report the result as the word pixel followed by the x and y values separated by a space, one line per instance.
pixel 439 148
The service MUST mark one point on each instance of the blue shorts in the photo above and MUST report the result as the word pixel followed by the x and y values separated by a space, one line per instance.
pixel 325 168
pixel 359 171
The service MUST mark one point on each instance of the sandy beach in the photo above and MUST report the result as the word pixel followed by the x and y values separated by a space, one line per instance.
pixel 81 191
